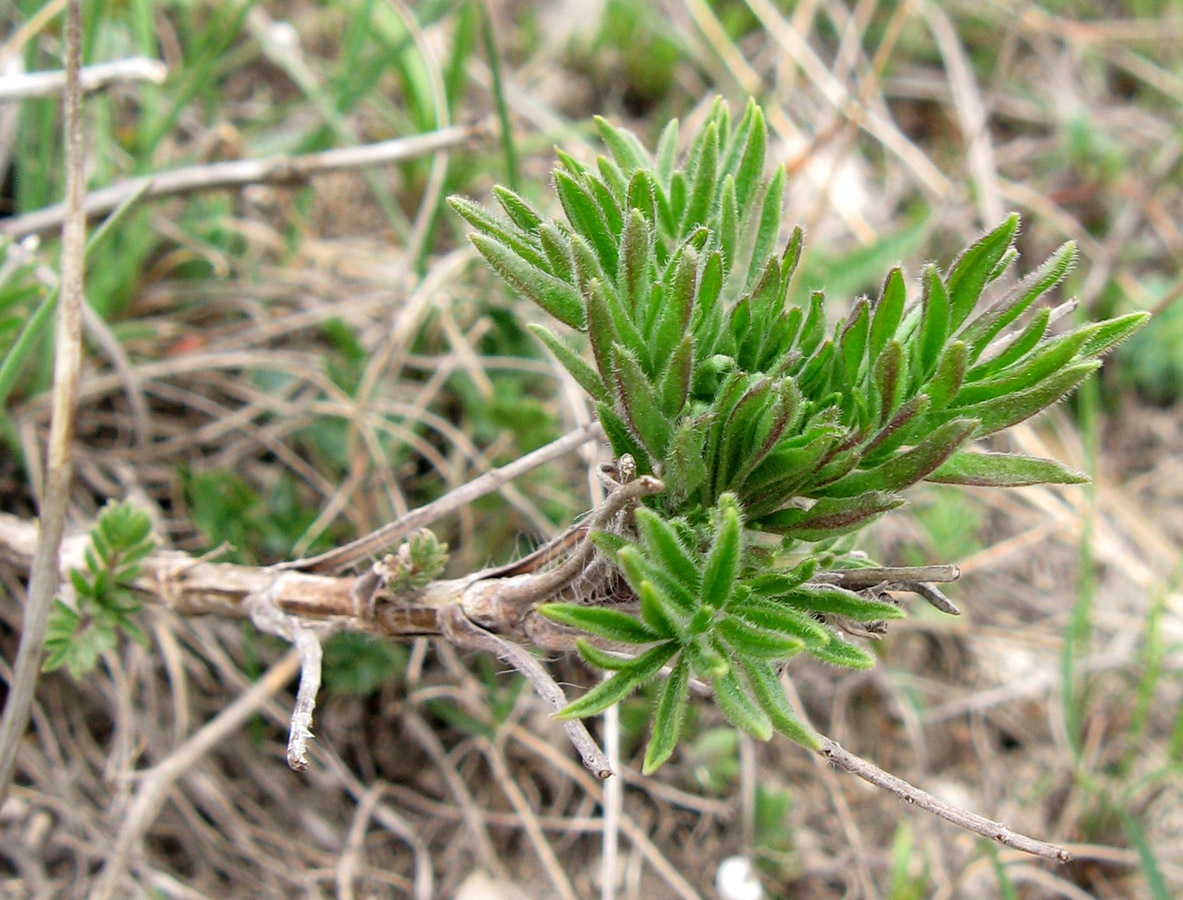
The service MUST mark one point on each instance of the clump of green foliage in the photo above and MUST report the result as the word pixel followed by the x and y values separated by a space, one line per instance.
pixel 776 436
pixel 104 604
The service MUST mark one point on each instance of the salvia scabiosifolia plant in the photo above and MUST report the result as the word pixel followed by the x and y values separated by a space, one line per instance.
pixel 777 436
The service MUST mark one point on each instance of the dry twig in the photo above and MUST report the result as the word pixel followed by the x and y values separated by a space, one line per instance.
pixel 58 466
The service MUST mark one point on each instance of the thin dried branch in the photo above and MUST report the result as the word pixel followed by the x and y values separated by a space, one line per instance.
pixel 237 173
pixel 375 542
pixel 58 469
pixel 268 618
pixel 41 84
pixel 463 632
pixel 995 831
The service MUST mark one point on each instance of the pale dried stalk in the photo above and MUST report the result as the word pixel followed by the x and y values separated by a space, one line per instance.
pixel 58 469
pixel 267 617
pixel 238 173
pixel 39 84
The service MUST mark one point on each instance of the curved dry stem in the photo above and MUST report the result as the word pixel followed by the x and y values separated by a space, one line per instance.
pixel 909 793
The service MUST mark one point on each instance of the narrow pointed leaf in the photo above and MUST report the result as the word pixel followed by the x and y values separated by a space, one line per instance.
pixel 950 374
pixel 663 543
pixel 629 152
pixel 982 330
pixel 841 653
pixel 610 624
pixel 587 220
pixel 888 311
pixel 739 709
pixel 968 274
pixel 839 602
pixel 996 415
pixel 1013 347
pixel 622 439
pixel 519 211
pixel 1003 470
pixel 620 685
pixel 909 467
pixel 667 720
pixel 829 517
pixel 659 612
pixel 558 298
pixel 722 564
pixel 640 403
pixel 776 616
pixel 674 389
pixel 934 323
pixel 585 375
pixel 1107 335
pixel 602 659
pixel 752 640
pixel 770 695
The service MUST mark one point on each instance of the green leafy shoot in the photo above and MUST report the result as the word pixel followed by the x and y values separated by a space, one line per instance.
pixel 777 435
pixel 104 604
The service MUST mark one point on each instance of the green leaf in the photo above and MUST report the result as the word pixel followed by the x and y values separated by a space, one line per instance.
pixel 662 543
pixel 634 277
pixel 667 720
pixel 587 220
pixel 601 659
pixel 558 298
pixel 660 612
pixel 556 245
pixel 519 211
pixel 674 315
pixel 638 569
pixel 888 311
pixel 667 148
pixel 610 624
pixel 630 154
pixel 948 378
pixel 770 695
pixel 968 274
pixel 1041 362
pixel 674 389
pixel 752 640
pixel 1015 347
pixel 620 685
pixel 722 564
pixel 829 517
pixel 498 231
pixel 622 439
pixel 684 468
pixel 640 402
pixel 934 323
pixel 751 164
pixel 840 602
pixel 909 467
pixel 896 432
pixel 775 616
pixel 734 702
pixel 982 330
pixel 584 375
pixel 1106 335
pixel 769 224
pixel 703 190
pixel 1003 470
pixel 998 414
pixel 840 653
pixel 854 340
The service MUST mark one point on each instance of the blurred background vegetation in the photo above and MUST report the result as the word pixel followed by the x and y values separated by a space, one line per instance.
pixel 282 367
